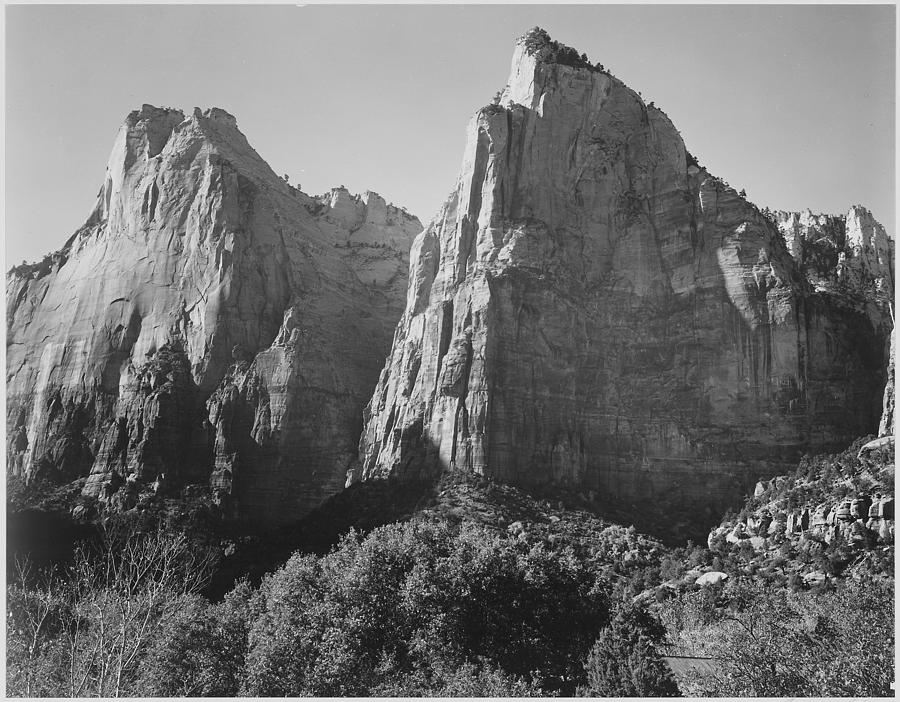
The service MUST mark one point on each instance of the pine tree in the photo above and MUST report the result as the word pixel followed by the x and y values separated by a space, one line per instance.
pixel 624 662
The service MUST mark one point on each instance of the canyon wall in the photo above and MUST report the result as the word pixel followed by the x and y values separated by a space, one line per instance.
pixel 591 309
pixel 209 322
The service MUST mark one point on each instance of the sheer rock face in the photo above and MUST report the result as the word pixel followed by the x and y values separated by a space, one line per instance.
pixel 205 312
pixel 886 426
pixel 592 309
pixel 849 259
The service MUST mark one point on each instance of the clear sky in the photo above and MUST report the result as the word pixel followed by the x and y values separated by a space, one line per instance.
pixel 793 103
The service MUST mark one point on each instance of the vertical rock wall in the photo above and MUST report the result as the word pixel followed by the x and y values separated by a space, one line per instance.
pixel 592 309
pixel 207 317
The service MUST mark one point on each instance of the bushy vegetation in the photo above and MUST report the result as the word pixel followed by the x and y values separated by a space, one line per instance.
pixel 826 479
pixel 85 633
pixel 538 42
pixel 481 590
pixel 423 608
pixel 767 641
pixel 624 661
pixel 409 595
pixel 830 478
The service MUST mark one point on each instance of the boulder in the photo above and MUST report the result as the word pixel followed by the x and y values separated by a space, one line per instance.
pixel 815 578
pixel 713 577
pixel 821 516
pixel 875 444
pixel 843 514
pixel 737 534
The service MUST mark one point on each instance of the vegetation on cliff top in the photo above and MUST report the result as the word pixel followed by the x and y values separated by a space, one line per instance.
pixel 539 44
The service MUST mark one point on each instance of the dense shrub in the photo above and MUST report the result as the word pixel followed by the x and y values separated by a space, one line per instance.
pixel 768 641
pixel 440 606
pixel 538 42
pixel 410 601
pixel 200 648
pixel 624 661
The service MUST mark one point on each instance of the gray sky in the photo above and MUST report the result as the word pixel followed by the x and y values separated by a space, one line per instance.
pixel 793 103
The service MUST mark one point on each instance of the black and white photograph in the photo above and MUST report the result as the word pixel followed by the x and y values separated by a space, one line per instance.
pixel 436 350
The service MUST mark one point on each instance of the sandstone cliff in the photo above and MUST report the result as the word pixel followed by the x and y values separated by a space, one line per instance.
pixel 886 426
pixel 848 257
pixel 207 321
pixel 592 309
pixel 850 260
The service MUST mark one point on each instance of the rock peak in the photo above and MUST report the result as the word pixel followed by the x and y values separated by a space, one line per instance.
pixel 542 67
pixel 151 113
pixel 216 114
pixel 148 129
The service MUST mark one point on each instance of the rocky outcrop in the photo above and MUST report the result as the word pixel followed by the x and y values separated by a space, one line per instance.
pixel 592 309
pixel 864 520
pixel 850 256
pixel 207 319
pixel 833 516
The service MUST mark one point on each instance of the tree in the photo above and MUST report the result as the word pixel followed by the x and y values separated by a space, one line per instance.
pixel 411 602
pixel 200 649
pixel 624 662
pixel 769 642
pixel 32 612
pixel 105 612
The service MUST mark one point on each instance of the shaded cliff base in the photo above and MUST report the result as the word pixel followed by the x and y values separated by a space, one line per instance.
pixel 825 636
pixel 43 525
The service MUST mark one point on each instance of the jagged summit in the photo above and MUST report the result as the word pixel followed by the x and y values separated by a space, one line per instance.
pixel 146 131
pixel 152 138
pixel 548 77
pixel 168 117
pixel 851 254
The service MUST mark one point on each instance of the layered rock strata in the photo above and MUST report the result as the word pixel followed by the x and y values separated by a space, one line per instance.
pixel 208 320
pixel 592 309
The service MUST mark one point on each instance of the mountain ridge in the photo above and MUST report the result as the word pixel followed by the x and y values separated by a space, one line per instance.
pixel 577 211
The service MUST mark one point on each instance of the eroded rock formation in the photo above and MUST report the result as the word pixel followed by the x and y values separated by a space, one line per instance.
pixel 592 309
pixel 848 259
pixel 850 255
pixel 208 319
